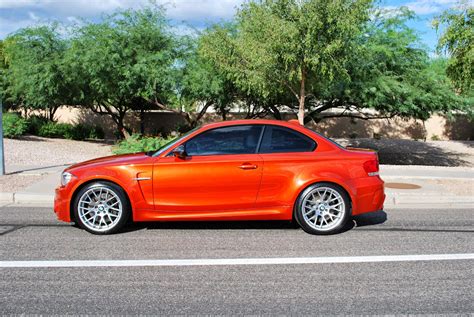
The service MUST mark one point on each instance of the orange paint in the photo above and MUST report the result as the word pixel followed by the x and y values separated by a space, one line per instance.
pixel 261 186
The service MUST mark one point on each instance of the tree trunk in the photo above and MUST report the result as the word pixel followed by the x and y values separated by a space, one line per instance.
pixel 302 96
pixel 121 125
pixel 142 121
pixel 276 113
pixel 51 112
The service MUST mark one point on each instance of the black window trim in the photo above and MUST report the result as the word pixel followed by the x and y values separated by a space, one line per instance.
pixel 257 148
pixel 304 136
pixel 260 140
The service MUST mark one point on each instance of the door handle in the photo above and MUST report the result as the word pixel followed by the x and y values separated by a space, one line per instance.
pixel 247 166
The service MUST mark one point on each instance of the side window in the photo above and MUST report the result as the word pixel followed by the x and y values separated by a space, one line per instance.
pixel 228 140
pixel 284 140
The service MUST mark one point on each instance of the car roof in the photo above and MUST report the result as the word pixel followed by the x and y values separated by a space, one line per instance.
pixel 252 121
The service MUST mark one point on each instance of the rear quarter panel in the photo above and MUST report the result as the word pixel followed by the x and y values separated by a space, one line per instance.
pixel 286 175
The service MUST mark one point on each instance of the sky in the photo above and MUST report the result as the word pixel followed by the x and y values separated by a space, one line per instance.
pixel 16 14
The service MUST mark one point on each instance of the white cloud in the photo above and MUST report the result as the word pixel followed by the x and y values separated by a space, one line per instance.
pixel 13 4
pixel 204 10
pixel 15 14
pixel 425 7
pixel 33 16
pixel 177 9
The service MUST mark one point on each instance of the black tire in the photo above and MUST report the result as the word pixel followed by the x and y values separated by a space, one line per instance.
pixel 341 223
pixel 118 222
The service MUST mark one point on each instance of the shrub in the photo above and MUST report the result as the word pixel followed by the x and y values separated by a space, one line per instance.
pixel 35 123
pixel 96 133
pixel 136 144
pixel 82 132
pixel 55 130
pixel 69 131
pixel 13 125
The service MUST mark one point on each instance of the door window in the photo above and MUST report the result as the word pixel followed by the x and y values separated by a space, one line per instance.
pixel 284 140
pixel 241 139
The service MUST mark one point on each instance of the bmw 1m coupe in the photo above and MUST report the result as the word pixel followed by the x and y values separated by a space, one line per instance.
pixel 234 170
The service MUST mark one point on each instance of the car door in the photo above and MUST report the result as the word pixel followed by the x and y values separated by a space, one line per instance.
pixel 286 154
pixel 221 172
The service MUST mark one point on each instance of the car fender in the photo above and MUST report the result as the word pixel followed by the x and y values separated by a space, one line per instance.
pixel 330 178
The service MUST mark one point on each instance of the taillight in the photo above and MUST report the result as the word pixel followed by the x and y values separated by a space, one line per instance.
pixel 372 167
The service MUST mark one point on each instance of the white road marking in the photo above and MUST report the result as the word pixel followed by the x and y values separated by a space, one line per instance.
pixel 238 261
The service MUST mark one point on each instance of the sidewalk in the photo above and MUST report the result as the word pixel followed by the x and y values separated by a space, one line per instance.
pixel 430 186
pixel 442 187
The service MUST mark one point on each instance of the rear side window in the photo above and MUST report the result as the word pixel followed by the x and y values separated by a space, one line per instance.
pixel 284 140
pixel 227 140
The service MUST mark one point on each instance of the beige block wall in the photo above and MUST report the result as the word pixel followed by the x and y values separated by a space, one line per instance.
pixel 437 127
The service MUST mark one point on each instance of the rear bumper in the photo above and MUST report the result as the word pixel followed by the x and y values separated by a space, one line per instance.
pixel 61 204
pixel 369 195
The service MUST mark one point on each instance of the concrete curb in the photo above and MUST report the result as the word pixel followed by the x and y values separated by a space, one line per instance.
pixel 26 198
pixel 393 200
pixel 427 199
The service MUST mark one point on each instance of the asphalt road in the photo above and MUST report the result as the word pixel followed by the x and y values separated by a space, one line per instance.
pixel 29 234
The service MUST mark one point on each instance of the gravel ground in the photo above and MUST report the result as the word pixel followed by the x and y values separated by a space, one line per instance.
pixel 30 153
pixel 17 182
pixel 37 151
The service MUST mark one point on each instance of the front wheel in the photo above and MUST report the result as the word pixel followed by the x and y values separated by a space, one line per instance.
pixel 323 208
pixel 101 208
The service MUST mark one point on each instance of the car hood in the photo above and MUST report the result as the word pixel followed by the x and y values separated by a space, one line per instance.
pixel 124 159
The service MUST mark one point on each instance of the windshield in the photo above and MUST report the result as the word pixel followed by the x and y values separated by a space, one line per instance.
pixel 173 142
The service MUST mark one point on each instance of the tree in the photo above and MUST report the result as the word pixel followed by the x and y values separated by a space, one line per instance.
pixel 387 70
pixel 457 39
pixel 390 72
pixel 288 45
pixel 33 69
pixel 124 63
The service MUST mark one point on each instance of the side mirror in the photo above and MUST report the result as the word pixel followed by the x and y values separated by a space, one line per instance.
pixel 180 152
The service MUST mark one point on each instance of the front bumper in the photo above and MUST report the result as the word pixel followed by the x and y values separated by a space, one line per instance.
pixel 61 204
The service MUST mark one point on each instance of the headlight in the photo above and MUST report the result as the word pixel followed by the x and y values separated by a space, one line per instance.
pixel 65 178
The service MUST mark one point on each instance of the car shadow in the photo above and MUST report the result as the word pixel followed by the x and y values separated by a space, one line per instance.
pixel 369 219
pixel 211 225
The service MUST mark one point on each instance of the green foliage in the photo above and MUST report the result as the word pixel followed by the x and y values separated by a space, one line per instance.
pixel 33 75
pixel 124 62
pixel 69 131
pixel 392 73
pixel 457 39
pixel 273 54
pixel 288 46
pixel 54 130
pixel 136 143
pixel 312 55
pixel 35 123
pixel 13 125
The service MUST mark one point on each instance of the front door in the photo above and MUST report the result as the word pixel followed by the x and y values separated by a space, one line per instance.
pixel 221 172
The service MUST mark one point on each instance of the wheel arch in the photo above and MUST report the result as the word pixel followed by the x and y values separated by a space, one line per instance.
pixel 332 182
pixel 87 182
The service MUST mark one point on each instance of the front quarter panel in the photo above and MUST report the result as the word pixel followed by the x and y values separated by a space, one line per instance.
pixel 139 192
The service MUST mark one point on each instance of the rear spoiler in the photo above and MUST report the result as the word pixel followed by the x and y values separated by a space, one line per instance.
pixel 350 148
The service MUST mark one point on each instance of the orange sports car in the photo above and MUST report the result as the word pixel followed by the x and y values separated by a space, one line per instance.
pixel 234 170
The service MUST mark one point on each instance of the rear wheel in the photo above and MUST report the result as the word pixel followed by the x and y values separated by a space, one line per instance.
pixel 101 208
pixel 323 208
